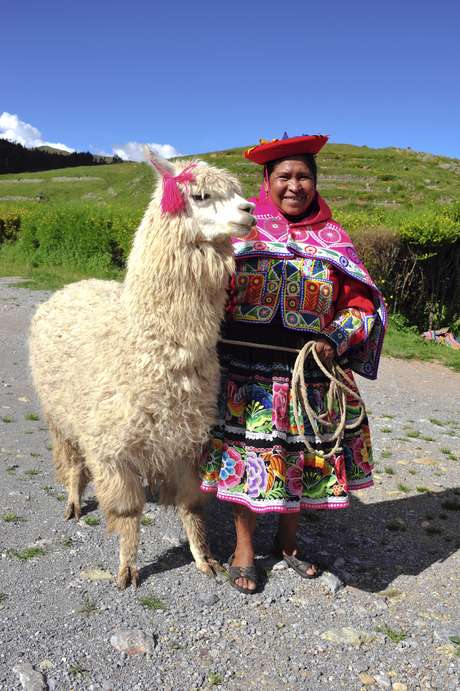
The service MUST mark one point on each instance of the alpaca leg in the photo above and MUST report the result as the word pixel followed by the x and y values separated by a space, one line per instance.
pixel 71 471
pixel 78 478
pixel 127 528
pixel 193 520
pixel 121 497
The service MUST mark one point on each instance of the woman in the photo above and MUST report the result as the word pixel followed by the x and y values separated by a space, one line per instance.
pixel 297 278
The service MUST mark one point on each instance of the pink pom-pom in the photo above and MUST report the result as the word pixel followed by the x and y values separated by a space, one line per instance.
pixel 173 200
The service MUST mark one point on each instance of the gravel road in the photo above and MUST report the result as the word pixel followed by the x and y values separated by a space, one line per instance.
pixel 382 616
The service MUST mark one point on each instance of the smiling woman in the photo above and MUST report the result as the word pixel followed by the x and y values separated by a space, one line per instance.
pixel 298 278
pixel 292 183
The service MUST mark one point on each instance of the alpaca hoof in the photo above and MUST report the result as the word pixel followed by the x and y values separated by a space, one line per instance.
pixel 215 565
pixel 72 511
pixel 210 567
pixel 126 576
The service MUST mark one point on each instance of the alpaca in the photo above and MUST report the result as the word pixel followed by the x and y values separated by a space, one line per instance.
pixel 127 373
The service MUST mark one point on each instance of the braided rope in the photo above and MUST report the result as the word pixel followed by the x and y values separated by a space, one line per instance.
pixel 339 387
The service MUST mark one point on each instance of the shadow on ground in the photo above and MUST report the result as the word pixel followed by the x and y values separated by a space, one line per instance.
pixel 378 541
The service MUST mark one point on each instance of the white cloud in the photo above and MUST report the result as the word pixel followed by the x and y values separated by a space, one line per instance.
pixel 16 130
pixel 133 151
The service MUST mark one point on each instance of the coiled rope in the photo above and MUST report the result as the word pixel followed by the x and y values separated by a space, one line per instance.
pixel 339 386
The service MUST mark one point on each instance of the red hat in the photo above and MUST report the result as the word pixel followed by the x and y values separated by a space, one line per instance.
pixel 287 146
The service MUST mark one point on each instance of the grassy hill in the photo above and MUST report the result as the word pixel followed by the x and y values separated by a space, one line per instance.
pixel 399 205
pixel 350 178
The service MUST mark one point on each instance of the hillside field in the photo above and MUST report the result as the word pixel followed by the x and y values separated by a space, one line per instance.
pixel 350 178
pixel 400 207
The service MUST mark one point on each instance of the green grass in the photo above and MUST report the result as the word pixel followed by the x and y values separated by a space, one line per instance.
pixel 389 470
pixel 92 520
pixel 405 343
pixel 27 553
pixel 11 469
pixel 146 520
pixel 7 419
pixel 385 453
pixel 450 454
pixel 76 669
pixel 435 421
pixel 215 679
pixel 3 597
pixel 392 634
pixel 403 488
pixel 88 606
pixel 386 430
pixel 32 416
pixel 32 472
pixel 421 490
pixel 150 602
pixel 11 517
pixel 456 641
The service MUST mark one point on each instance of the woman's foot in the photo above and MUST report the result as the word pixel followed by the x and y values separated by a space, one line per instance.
pixel 286 546
pixel 242 570
pixel 243 556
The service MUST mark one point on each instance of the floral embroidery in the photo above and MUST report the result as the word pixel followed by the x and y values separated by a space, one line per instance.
pixel 280 416
pixel 255 455
pixel 232 468
pixel 256 474
pixel 294 477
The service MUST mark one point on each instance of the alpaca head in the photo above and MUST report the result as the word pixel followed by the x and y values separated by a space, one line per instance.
pixel 209 196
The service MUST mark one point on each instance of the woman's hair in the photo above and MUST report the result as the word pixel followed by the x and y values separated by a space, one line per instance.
pixel 308 158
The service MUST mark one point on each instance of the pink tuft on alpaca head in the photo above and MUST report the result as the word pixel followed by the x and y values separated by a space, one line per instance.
pixel 173 200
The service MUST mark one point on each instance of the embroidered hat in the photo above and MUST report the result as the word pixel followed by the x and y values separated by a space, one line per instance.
pixel 267 151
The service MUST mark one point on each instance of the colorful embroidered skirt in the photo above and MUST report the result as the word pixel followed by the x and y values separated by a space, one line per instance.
pixel 256 457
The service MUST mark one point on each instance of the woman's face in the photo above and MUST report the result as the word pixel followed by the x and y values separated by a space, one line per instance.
pixel 292 186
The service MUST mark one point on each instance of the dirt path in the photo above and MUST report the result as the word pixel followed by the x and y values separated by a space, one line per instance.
pixel 395 552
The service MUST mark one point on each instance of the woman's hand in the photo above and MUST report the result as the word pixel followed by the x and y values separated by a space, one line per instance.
pixel 325 350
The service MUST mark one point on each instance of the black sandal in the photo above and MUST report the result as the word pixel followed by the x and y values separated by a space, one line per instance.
pixel 236 572
pixel 299 565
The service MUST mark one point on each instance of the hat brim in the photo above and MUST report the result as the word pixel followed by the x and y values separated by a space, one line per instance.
pixel 283 148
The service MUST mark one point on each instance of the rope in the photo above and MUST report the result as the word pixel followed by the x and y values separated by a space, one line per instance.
pixel 339 387
pixel 337 392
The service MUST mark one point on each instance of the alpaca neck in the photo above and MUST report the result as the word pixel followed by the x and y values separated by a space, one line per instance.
pixel 174 291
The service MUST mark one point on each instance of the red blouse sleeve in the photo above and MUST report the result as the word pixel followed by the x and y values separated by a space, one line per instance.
pixel 354 315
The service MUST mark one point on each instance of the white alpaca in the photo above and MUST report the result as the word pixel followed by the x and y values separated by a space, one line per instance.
pixel 128 374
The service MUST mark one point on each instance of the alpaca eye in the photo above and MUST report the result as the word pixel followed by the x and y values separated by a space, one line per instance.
pixel 200 197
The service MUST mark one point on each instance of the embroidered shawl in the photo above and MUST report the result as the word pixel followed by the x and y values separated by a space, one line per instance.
pixel 320 237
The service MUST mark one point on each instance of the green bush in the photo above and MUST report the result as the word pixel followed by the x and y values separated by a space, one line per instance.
pixel 413 255
pixel 10 222
pixel 88 238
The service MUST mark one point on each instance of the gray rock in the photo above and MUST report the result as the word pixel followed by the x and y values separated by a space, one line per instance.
pixel 208 599
pixel 30 679
pixel 348 636
pixel 132 641
pixel 332 582
pixel 383 682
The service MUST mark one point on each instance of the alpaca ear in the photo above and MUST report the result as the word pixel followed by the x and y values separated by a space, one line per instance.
pixel 161 165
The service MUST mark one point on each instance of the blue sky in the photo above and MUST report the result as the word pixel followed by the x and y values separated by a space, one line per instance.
pixel 201 76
